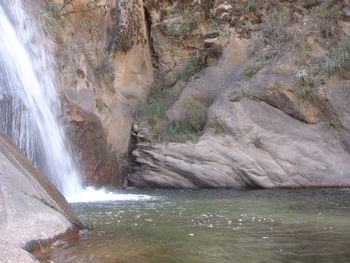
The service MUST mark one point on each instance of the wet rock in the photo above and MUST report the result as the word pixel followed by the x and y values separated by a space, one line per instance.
pixel 97 159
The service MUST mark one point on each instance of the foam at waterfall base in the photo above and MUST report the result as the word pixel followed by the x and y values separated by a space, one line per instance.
pixel 91 194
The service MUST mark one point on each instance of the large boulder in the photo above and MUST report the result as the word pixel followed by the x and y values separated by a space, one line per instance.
pixel 248 143
pixel 31 208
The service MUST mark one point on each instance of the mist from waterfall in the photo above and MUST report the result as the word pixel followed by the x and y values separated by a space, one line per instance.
pixel 30 106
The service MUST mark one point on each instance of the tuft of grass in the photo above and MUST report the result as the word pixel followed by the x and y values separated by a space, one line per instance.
pixel 161 128
pixel 195 113
pixel 339 59
pixel 307 93
pixel 257 141
pixel 153 113
pixel 326 14
pixel 275 27
pixel 53 21
pixel 253 66
pixel 157 92
pixel 189 71
pixel 178 131
pixel 217 128
pixel 100 105
pixel 182 26
pixel 251 5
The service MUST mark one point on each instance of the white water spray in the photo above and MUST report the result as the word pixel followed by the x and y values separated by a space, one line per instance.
pixel 29 103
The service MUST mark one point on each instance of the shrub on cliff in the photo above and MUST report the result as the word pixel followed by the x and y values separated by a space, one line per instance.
pixel 339 59
pixel 195 113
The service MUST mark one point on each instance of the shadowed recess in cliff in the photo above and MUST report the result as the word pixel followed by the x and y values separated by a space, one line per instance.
pixel 29 104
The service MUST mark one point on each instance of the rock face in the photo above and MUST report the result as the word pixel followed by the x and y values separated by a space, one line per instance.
pixel 31 209
pixel 105 71
pixel 96 158
pixel 259 147
pixel 13 254
pixel 276 117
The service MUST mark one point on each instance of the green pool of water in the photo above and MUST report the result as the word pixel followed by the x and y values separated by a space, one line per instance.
pixel 214 226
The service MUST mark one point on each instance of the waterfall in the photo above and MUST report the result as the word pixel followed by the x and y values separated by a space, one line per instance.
pixel 29 104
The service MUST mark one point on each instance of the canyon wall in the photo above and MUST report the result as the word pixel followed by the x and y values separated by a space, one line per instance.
pixel 105 71
pixel 261 96
pixel 235 93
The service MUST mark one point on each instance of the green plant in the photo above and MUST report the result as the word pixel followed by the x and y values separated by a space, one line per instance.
pixel 100 105
pixel 276 27
pixel 217 127
pixel 188 71
pixel 153 113
pixel 326 14
pixel 252 66
pixel 307 93
pixel 195 113
pixel 182 26
pixel 257 141
pixel 157 92
pixel 251 5
pixel 161 128
pixel 177 131
pixel 52 19
pixel 110 148
pixel 339 59
pixel 302 76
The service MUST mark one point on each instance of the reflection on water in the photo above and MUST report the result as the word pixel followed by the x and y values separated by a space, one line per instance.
pixel 90 194
pixel 212 226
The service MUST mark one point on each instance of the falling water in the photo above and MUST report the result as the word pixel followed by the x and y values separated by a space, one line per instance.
pixel 29 103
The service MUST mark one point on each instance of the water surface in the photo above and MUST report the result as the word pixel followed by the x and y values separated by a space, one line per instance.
pixel 214 226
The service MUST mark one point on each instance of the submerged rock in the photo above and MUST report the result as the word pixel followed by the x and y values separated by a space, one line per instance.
pixel 31 208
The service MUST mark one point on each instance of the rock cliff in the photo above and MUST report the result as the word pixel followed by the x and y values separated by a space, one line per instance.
pixel 105 71
pixel 240 93
pixel 261 91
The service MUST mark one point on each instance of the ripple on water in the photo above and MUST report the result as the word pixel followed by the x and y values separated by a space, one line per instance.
pixel 215 227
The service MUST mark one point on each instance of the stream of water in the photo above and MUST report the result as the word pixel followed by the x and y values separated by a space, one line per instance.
pixel 214 226
pixel 30 105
